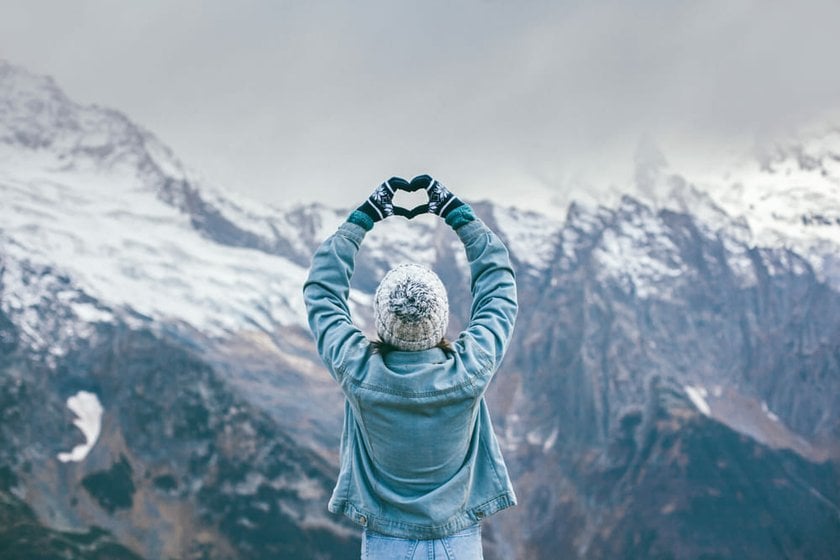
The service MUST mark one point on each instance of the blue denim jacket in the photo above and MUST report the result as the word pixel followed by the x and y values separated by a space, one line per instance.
pixel 419 458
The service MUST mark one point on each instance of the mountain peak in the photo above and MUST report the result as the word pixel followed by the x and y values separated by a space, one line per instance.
pixel 32 108
pixel 40 124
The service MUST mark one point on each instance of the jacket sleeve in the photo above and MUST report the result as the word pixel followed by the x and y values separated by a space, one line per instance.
pixel 493 288
pixel 325 293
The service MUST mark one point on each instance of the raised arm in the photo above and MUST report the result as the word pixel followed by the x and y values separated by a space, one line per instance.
pixel 325 294
pixel 493 288
pixel 327 288
pixel 492 281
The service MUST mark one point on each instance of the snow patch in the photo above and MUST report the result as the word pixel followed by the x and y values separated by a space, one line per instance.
pixel 91 314
pixel 637 253
pixel 89 411
pixel 531 237
pixel 766 410
pixel 552 439
pixel 698 398
pixel 789 198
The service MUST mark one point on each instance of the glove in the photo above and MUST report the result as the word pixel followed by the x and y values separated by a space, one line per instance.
pixel 441 200
pixel 380 204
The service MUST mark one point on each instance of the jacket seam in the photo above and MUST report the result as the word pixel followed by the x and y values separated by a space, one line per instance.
pixel 485 366
pixel 505 499
pixel 470 231
pixel 341 368
pixel 489 458
pixel 423 394
pixel 346 230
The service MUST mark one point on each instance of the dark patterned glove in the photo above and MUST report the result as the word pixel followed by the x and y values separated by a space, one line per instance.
pixel 380 204
pixel 441 200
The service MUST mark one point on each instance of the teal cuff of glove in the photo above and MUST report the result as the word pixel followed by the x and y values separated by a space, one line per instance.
pixel 360 219
pixel 460 216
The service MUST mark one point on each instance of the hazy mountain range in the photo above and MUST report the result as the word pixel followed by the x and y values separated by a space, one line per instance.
pixel 672 391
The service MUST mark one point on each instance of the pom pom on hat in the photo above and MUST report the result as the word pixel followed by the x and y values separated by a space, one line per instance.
pixel 410 308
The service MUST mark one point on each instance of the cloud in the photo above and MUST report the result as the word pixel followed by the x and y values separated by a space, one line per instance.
pixel 296 100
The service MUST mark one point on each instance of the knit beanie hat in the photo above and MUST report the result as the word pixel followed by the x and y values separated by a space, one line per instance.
pixel 410 308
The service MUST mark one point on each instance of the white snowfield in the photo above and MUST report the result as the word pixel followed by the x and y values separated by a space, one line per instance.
pixel 86 406
pixel 789 198
pixel 698 395
pixel 81 196
pixel 127 249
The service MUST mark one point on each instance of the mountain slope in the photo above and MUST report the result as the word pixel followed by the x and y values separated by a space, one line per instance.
pixel 675 368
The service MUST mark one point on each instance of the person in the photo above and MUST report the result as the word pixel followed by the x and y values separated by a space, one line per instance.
pixel 420 464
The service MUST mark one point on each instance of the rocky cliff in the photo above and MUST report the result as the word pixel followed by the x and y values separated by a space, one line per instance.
pixel 672 391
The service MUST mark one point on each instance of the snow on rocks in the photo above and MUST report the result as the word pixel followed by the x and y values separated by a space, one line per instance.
pixel 789 196
pixel 396 240
pixel 128 249
pixel 635 251
pixel 81 196
pixel 48 310
pixel 768 412
pixel 698 395
pixel 530 236
pixel 88 410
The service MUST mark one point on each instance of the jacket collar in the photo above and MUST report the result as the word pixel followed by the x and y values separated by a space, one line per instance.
pixel 430 356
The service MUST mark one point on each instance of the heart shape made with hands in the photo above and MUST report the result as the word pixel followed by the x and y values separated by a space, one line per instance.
pixel 400 184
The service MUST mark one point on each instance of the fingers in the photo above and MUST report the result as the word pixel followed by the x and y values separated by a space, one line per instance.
pixel 400 211
pixel 417 210
pixel 397 184
pixel 425 182
pixel 422 182
pixel 389 188
pixel 414 212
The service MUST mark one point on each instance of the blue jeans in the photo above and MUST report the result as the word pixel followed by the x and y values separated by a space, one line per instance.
pixel 464 545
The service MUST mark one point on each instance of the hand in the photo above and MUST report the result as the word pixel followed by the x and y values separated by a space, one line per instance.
pixel 441 200
pixel 380 204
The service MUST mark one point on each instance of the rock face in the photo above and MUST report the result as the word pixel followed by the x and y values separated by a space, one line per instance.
pixel 672 390
pixel 682 405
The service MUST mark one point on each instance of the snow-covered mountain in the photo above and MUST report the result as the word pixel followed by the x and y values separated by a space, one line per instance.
pixel 677 353
pixel 785 196
pixel 106 203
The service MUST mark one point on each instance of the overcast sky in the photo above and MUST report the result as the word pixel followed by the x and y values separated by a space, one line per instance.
pixel 303 100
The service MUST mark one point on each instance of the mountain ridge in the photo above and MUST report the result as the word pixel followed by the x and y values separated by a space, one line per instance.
pixel 650 334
